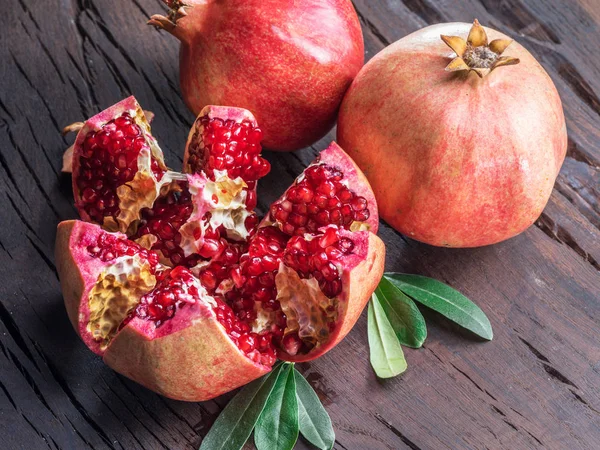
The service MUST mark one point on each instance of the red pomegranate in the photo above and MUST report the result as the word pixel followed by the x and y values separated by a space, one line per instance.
pixel 461 157
pixel 195 322
pixel 288 62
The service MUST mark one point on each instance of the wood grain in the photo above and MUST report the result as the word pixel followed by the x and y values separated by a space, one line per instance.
pixel 534 386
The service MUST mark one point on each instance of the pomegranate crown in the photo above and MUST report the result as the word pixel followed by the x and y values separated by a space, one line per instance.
pixel 476 54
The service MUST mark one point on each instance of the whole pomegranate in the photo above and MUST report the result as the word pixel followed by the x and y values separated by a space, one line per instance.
pixel 289 62
pixel 195 298
pixel 461 157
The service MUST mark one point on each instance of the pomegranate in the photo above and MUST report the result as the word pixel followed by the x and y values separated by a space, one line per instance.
pixel 193 322
pixel 287 62
pixel 461 157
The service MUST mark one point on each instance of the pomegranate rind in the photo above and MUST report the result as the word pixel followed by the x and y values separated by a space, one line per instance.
pixel 150 186
pixel 362 270
pixel 79 272
pixel 195 363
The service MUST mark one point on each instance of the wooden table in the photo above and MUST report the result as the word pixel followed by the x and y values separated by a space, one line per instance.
pixel 536 385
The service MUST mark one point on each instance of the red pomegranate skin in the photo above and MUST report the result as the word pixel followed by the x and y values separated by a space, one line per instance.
pixel 454 160
pixel 289 62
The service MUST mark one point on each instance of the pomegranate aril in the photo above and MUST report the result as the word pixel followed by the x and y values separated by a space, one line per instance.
pixel 291 344
pixel 227 145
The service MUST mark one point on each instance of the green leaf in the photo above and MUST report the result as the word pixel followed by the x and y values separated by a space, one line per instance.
pixel 445 300
pixel 315 424
pixel 404 316
pixel 277 427
pixel 234 425
pixel 387 357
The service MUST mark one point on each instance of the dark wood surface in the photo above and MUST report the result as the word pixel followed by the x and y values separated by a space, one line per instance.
pixel 536 385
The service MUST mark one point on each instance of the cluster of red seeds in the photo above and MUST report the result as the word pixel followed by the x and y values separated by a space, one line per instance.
pixel 228 145
pixel 258 347
pixel 232 146
pixel 109 247
pixel 317 257
pixel 219 268
pixel 319 199
pixel 108 160
pixel 164 220
pixel 174 289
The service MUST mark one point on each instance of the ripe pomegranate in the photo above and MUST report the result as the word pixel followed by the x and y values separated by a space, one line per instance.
pixel 197 325
pixel 461 157
pixel 288 62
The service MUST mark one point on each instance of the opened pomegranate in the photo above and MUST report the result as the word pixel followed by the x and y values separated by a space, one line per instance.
pixel 193 325
pixel 461 157
pixel 287 62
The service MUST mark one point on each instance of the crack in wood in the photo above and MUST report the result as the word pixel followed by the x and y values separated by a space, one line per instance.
pixel 15 333
pixel 47 260
pixel 372 28
pixel 535 351
pixel 397 432
pixel 78 406
pixel 11 177
pixel 29 13
pixel 554 373
pixel 558 233
pixel 8 396
pixel 425 11
pixel 120 419
pixel 31 382
pixel 584 401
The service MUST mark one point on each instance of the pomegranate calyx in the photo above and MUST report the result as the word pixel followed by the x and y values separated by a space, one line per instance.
pixel 177 10
pixel 476 54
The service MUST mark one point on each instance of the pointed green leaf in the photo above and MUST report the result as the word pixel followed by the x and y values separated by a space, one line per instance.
pixel 404 316
pixel 445 300
pixel 315 424
pixel 387 357
pixel 277 427
pixel 234 425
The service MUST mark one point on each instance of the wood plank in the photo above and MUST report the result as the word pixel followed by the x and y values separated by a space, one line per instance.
pixel 534 386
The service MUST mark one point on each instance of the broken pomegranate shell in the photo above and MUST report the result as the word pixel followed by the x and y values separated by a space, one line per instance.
pixel 196 297
pixel 105 278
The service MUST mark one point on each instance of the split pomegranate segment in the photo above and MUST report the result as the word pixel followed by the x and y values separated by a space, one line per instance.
pixel 206 298
pixel 117 166
pixel 227 139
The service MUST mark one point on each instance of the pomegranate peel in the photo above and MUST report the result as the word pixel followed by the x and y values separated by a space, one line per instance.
pixel 118 168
